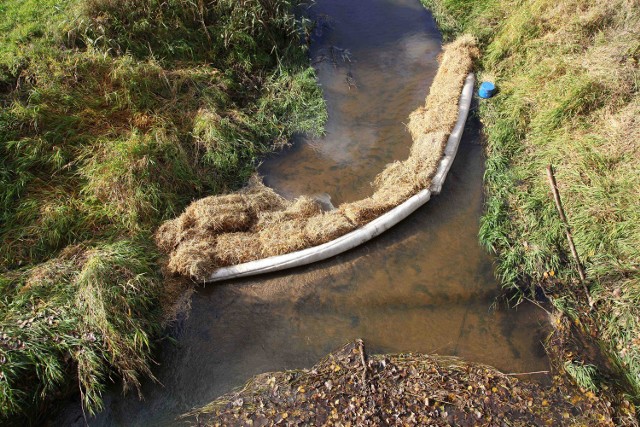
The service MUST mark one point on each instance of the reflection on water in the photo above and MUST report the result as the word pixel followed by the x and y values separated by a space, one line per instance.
pixel 424 286
pixel 375 60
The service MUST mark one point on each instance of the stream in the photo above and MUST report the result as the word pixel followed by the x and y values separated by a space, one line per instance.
pixel 426 285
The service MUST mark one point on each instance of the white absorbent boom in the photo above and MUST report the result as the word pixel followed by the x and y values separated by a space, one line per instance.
pixel 370 230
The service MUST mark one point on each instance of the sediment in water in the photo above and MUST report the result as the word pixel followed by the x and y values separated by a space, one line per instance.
pixel 256 222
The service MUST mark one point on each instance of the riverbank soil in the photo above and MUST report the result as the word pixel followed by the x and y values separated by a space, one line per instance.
pixel 351 388
pixel 568 78
pixel 114 116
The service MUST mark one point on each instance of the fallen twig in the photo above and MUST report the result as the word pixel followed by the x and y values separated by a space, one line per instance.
pixel 364 362
pixel 563 217
pixel 538 304
pixel 515 374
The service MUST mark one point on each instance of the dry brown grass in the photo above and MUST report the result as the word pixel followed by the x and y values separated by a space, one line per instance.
pixel 166 236
pixel 261 198
pixel 175 298
pixel 300 209
pixel 220 214
pixel 440 111
pixel 194 258
pixel 283 237
pixel 256 222
pixel 234 248
pixel 326 227
pixel 366 210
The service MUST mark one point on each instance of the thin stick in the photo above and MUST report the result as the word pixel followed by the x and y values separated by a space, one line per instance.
pixel 513 374
pixel 538 304
pixel 364 363
pixel 563 217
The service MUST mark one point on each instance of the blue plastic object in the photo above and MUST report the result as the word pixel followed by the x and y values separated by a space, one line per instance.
pixel 487 90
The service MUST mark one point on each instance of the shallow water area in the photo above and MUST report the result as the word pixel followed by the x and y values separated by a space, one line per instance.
pixel 375 61
pixel 424 286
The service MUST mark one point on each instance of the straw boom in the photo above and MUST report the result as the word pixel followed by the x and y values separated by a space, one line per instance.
pixel 255 222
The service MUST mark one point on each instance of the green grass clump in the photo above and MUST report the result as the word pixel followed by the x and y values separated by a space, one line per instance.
pixel 583 375
pixel 115 114
pixel 568 77
pixel 25 25
pixel 87 313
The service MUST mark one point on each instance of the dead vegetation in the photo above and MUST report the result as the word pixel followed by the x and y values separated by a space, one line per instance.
pixel 350 389
pixel 256 222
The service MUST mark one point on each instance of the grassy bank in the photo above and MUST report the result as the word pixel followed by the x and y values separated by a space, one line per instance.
pixel 115 114
pixel 568 77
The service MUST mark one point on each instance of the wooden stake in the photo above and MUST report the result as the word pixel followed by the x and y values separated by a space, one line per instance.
pixel 563 217
pixel 364 363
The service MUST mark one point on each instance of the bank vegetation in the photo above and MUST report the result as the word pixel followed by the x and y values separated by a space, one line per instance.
pixel 114 116
pixel 568 79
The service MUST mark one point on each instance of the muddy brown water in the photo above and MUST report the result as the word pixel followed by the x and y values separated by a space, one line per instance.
pixel 424 286
pixel 375 61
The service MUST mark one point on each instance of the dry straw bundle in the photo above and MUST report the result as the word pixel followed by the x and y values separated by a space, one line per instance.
pixel 256 222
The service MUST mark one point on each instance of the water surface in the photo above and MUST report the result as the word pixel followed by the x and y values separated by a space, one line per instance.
pixel 375 61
